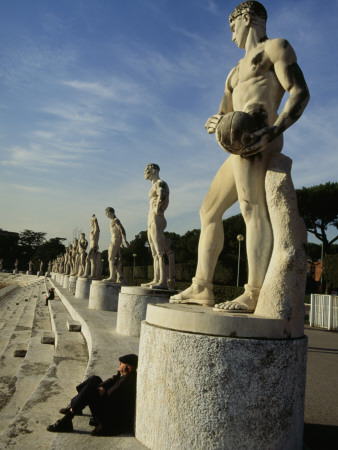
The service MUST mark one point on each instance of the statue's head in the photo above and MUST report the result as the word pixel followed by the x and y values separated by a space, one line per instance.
pixel 109 211
pixel 249 14
pixel 94 223
pixel 150 170
pixel 253 8
pixel 82 235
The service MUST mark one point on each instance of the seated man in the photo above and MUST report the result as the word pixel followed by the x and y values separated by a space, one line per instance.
pixel 111 402
pixel 50 296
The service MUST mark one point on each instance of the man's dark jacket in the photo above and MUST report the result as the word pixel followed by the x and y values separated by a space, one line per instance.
pixel 116 409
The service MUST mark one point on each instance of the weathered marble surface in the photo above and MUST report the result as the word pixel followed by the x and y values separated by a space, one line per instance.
pixel 256 87
pixel 118 240
pixel 219 392
pixel 159 245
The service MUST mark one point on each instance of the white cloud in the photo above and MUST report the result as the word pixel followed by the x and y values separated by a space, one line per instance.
pixel 38 189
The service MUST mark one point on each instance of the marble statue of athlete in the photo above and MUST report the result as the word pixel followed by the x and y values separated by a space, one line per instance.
pixel 256 86
pixel 118 240
pixel 159 201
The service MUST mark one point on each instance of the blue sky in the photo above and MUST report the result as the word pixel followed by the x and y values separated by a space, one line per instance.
pixel 94 90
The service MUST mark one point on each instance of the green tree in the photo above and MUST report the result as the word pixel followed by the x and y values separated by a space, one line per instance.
pixel 318 205
pixel 8 248
pixel 29 241
pixel 330 272
pixel 48 251
pixel 186 247
pixel 314 251
pixel 139 247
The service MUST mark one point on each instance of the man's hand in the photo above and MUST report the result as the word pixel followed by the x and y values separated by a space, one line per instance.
pixel 102 391
pixel 261 139
pixel 212 122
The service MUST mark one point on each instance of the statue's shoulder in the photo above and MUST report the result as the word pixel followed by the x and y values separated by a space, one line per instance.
pixel 278 48
pixel 161 184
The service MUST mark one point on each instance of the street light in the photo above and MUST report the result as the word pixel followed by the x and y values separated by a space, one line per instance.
pixel 240 238
pixel 134 256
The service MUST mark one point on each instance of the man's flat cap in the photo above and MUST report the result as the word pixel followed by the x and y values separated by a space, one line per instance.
pixel 131 359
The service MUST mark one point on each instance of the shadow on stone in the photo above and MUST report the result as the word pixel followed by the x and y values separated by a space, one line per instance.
pixel 320 437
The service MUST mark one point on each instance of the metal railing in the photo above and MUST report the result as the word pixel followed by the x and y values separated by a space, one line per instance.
pixel 324 311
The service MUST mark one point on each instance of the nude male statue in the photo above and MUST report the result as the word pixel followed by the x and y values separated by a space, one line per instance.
pixel 94 263
pixel 256 86
pixel 118 240
pixel 159 201
pixel 82 254
pixel 74 261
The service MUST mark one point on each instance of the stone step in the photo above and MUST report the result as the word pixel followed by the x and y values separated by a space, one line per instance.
pixel 8 329
pixel 73 325
pixel 54 389
pixel 20 377
pixel 48 337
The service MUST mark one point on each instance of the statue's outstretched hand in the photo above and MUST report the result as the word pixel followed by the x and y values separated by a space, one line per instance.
pixel 260 139
pixel 212 122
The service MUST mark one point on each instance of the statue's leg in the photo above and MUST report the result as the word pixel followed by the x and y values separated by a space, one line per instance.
pixel 159 247
pixel 154 255
pixel 221 195
pixel 250 177
pixel 114 249
pixel 88 263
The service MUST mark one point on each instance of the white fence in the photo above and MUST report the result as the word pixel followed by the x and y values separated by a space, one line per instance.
pixel 324 311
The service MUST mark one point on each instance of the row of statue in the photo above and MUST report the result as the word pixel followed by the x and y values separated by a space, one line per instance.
pixel 77 262
pixel 248 126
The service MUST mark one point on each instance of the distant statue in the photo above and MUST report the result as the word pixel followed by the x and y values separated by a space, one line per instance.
pixel 247 125
pixel 61 264
pixel 94 262
pixel 118 240
pixel 30 266
pixel 49 267
pixel 41 266
pixel 82 254
pixel 159 201
pixel 67 260
pixel 16 264
pixel 1 263
pixel 74 262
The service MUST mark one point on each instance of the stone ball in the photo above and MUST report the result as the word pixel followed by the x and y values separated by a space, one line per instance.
pixel 233 131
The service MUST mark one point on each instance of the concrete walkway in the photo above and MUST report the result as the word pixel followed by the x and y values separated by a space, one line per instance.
pixel 35 386
pixel 321 395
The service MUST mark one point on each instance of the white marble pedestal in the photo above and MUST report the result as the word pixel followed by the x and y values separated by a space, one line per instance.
pixel 82 288
pixel 72 284
pixel 133 302
pixel 104 295
pixel 66 282
pixel 242 387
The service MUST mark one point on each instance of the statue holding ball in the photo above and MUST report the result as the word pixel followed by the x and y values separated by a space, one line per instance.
pixel 253 93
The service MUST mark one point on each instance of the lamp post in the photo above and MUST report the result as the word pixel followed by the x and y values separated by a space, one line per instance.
pixel 134 256
pixel 240 238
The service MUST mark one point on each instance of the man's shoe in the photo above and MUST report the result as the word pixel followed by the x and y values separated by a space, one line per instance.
pixel 67 410
pixel 93 422
pixel 61 426
pixel 100 431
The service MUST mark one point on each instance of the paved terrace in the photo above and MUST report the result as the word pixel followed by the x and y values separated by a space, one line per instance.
pixel 41 379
